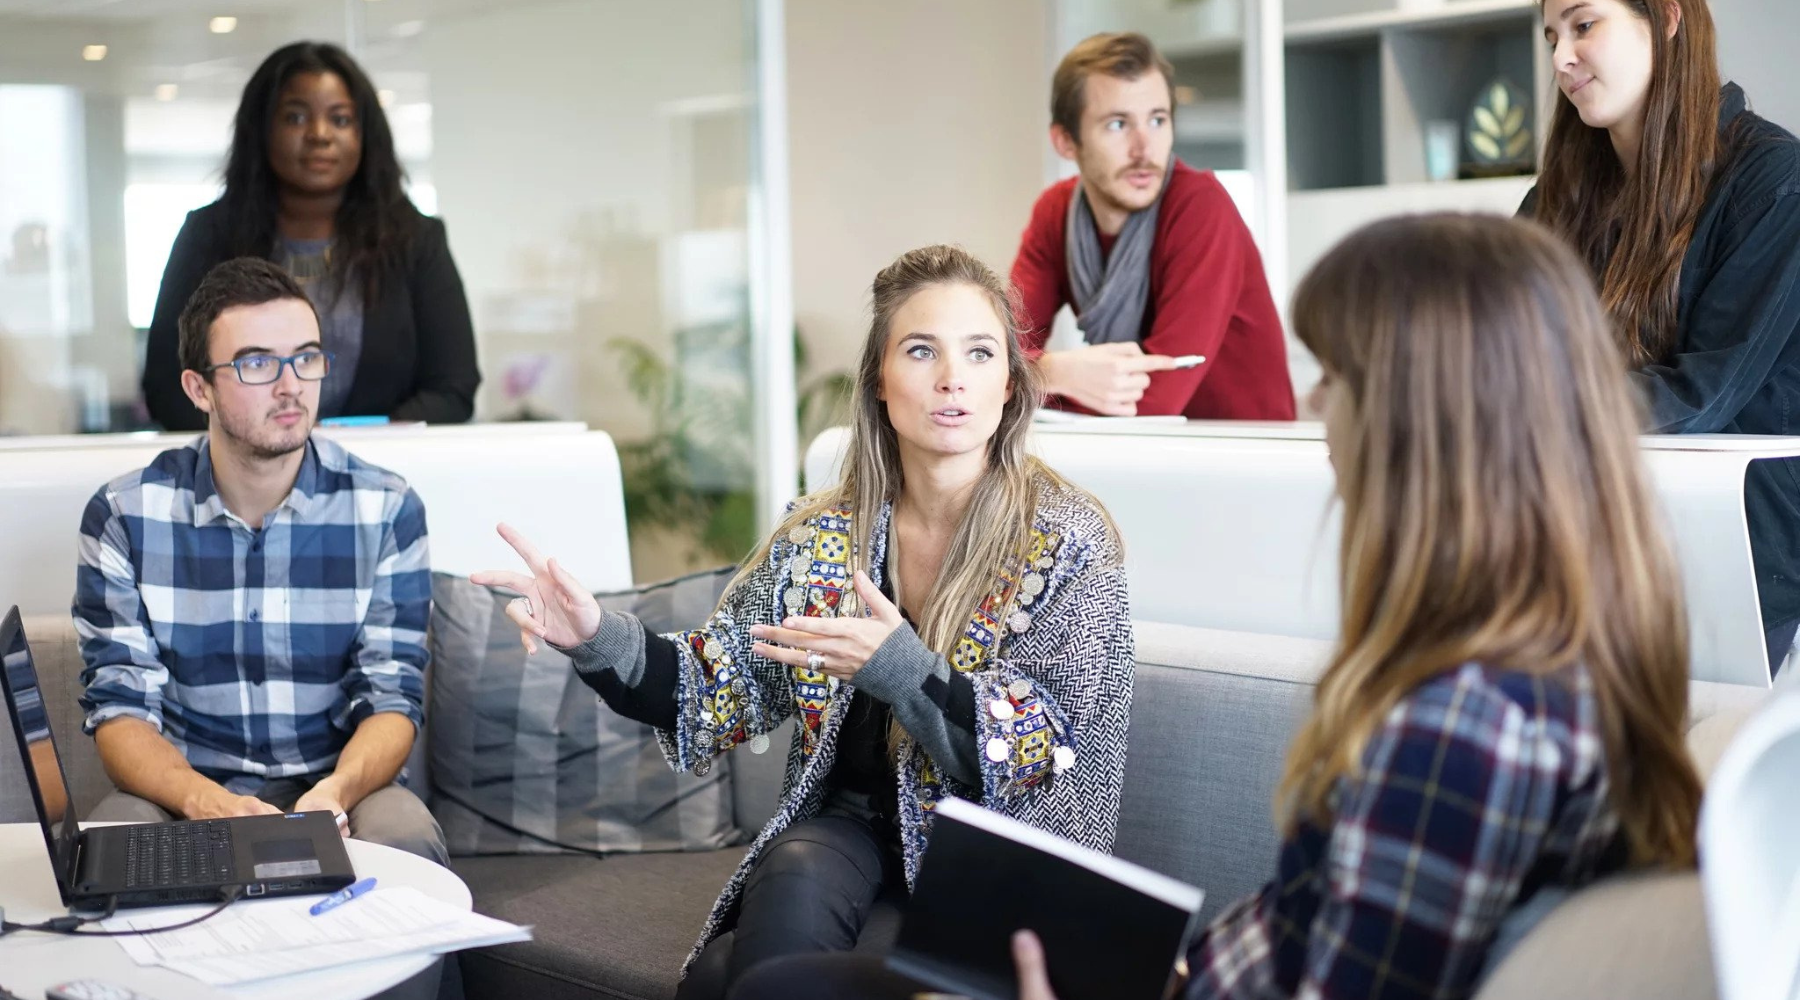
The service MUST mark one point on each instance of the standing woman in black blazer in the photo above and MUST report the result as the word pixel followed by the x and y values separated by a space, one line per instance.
pixel 312 183
pixel 1686 206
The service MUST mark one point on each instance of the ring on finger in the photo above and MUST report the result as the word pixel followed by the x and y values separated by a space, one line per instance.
pixel 530 612
pixel 815 660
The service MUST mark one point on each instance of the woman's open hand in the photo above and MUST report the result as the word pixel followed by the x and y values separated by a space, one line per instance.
pixel 838 646
pixel 555 607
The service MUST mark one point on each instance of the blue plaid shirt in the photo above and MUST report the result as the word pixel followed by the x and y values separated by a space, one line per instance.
pixel 256 652
pixel 1482 787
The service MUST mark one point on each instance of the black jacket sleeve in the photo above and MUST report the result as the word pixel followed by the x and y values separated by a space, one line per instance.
pixel 191 257
pixel 447 377
pixel 652 699
pixel 1738 329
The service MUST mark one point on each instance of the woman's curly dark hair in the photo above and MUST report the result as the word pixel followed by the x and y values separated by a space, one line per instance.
pixel 376 221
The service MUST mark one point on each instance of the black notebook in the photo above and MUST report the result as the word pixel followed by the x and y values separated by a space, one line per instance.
pixel 1112 930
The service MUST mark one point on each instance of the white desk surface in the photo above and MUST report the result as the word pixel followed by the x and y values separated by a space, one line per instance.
pixel 31 962
pixel 1755 445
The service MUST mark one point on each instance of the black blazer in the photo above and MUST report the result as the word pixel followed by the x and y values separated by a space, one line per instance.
pixel 1736 366
pixel 418 348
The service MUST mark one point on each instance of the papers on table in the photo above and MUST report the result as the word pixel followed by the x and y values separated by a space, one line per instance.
pixel 266 938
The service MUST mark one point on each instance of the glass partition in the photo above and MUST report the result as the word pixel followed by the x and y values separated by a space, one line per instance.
pixel 593 161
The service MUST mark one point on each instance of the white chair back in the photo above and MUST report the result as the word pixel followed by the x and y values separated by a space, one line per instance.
pixel 1750 857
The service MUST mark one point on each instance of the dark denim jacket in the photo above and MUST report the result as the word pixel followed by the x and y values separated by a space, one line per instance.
pixel 1736 366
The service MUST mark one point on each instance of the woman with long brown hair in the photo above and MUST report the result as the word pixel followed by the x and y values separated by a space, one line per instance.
pixel 1685 207
pixel 949 619
pixel 1501 719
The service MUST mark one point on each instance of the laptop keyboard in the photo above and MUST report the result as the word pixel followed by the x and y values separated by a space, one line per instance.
pixel 178 854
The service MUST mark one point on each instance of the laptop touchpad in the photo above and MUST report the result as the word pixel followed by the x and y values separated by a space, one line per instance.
pixel 284 858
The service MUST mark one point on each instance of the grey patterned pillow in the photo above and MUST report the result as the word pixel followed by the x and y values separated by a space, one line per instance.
pixel 526 759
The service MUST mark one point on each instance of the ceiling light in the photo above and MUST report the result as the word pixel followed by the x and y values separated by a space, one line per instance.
pixel 166 91
pixel 386 97
pixel 93 53
pixel 222 25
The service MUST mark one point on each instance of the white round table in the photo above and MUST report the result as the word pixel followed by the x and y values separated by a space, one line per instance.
pixel 31 962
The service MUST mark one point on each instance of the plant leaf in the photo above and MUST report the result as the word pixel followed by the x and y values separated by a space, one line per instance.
pixel 1484 145
pixel 1515 119
pixel 1485 120
pixel 1499 99
pixel 1516 145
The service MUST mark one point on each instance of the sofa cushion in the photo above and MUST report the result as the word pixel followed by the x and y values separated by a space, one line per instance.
pixel 618 927
pixel 525 758
pixel 1641 936
pixel 1212 716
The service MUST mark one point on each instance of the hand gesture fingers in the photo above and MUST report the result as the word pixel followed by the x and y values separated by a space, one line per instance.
pixel 1147 363
pixel 527 551
pixel 520 613
pixel 880 608
pixel 517 582
pixel 553 607
pixel 1034 975
pixel 1131 383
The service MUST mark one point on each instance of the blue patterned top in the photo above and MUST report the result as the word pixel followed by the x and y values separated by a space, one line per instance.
pixel 255 651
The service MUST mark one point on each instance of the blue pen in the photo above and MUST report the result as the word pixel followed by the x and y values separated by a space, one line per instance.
pixel 344 895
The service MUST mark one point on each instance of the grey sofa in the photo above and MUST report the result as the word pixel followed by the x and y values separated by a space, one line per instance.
pixel 1213 715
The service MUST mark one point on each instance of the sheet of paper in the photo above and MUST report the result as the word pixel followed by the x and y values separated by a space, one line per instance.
pixel 236 969
pixel 269 938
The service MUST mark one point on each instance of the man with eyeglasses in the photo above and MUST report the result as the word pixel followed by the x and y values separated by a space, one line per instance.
pixel 252 606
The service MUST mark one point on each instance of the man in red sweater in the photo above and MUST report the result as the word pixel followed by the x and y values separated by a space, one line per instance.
pixel 1151 254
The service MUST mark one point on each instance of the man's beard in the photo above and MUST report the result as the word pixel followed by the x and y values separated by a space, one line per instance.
pixel 261 440
pixel 1104 192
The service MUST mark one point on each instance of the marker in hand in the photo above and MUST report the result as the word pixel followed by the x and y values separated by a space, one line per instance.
pixel 342 896
pixel 1190 360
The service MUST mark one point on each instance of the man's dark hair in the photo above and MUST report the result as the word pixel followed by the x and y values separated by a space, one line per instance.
pixel 1125 55
pixel 242 281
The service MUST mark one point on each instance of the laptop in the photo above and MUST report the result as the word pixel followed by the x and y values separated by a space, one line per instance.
pixel 156 864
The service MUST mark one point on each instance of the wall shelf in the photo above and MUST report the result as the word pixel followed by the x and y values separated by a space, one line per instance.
pixel 1362 87
pixel 1369 22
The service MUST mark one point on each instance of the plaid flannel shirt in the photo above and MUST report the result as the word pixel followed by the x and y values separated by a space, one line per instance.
pixel 256 652
pixel 1482 787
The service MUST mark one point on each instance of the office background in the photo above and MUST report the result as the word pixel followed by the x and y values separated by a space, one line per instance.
pixel 651 203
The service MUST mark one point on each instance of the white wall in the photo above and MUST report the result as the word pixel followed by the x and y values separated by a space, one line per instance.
pixel 909 123
pixel 1756 48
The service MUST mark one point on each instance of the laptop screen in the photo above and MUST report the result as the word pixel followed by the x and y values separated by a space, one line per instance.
pixel 43 767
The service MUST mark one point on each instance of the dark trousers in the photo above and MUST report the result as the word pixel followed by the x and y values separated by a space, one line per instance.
pixel 830 884
pixel 838 976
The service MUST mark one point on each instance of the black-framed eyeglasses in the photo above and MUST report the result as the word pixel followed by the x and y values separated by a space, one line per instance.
pixel 261 369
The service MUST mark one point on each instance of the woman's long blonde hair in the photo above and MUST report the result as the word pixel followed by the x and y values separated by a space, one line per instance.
pixel 997 524
pixel 1495 505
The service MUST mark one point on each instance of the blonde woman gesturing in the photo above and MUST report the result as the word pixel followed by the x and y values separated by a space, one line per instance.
pixel 949 619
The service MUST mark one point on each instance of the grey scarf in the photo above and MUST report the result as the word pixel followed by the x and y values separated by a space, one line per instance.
pixel 1111 291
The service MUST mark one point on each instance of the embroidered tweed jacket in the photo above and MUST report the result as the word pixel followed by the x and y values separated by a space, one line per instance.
pixel 1053 642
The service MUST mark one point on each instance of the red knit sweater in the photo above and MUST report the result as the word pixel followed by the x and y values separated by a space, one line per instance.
pixel 1208 296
